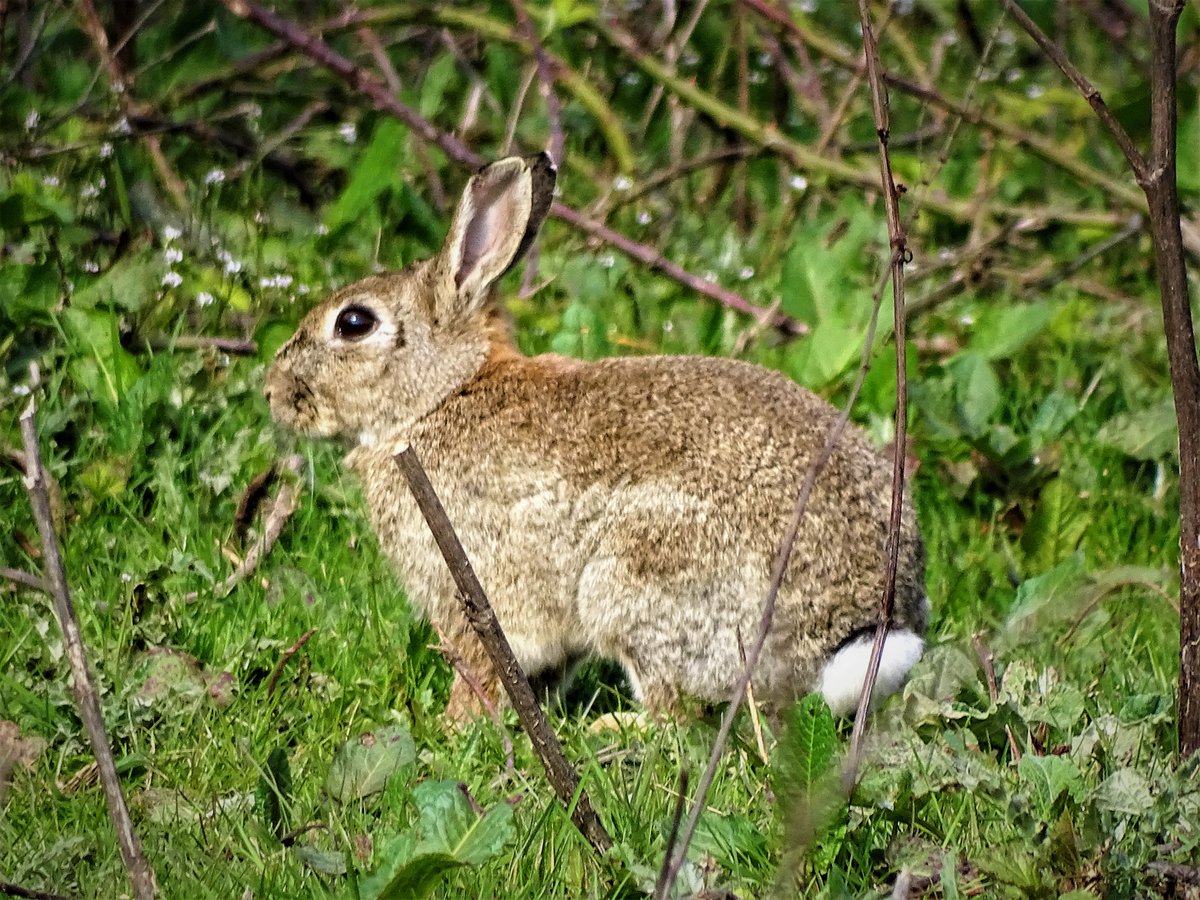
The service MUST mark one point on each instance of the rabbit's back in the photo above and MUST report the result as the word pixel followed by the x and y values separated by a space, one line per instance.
pixel 633 507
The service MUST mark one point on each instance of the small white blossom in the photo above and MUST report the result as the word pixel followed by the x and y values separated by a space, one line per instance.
pixel 632 78
pixel 690 57
pixel 643 217
pixel 276 281
pixel 172 255
pixel 260 217
pixel 764 59
pixel 89 192
pixel 302 289
pixel 172 279
pixel 758 77
pixel 348 132
pixel 171 233
pixel 106 150
pixel 322 228
pixel 231 265
pixel 91 266
pixel 122 126
pixel 798 183
pixel 807 6
pixel 51 181
pixel 607 261
pixel 710 276
pixel 204 298
pixel 214 176
pixel 746 273
pixel 31 120
pixel 622 183
pixel 668 326
pixel 1034 91
pixel 21 390
pixel 966 319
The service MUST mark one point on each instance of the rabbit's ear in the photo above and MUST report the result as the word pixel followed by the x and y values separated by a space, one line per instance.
pixel 496 221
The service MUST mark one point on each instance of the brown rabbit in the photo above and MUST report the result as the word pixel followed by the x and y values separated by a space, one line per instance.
pixel 627 508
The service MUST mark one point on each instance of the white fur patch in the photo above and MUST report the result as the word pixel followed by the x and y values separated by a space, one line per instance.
pixel 842 678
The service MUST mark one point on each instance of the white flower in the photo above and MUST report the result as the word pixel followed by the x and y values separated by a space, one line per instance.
pixel 607 261
pixel 21 390
pixel 798 183
pixel 348 132
pixel 643 217
pixel 122 126
pixel 172 255
pixel 668 326
pixel 807 6
pixel 710 276
pixel 172 279
pixel 1034 91
pixel 302 289
pixel 50 180
pixel 89 192
pixel 276 281
pixel 632 78
pixel 91 266
pixel 322 228
pixel 106 150
pixel 171 233
pixel 746 273
pixel 126 577
pixel 231 265
pixel 31 120
pixel 214 176
pixel 204 298
pixel 622 183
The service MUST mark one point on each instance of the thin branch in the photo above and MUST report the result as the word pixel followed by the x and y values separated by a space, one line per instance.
pixel 15 890
pixel 161 342
pixel 87 701
pixel 480 614
pixel 988 663
pixel 1055 54
pixel 557 143
pixel 899 252
pixel 451 654
pixel 25 578
pixel 286 503
pixel 662 887
pixel 832 437
pixel 283 659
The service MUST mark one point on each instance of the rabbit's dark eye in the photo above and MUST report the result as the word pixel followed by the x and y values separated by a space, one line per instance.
pixel 354 323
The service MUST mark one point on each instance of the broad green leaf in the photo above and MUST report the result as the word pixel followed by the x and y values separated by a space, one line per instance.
pixel 364 764
pixel 438 77
pixel 976 391
pixel 127 285
pixel 1036 595
pixel 1125 791
pixel 1058 523
pixel 1055 413
pixel 1000 331
pixel 1150 433
pixel 104 369
pixel 375 172
pixel 832 347
pixel 323 861
pixel 1050 776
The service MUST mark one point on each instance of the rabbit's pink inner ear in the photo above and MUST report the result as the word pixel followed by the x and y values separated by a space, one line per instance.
pixel 491 223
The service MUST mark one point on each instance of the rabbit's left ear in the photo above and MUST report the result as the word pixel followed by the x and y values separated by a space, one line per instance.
pixel 498 217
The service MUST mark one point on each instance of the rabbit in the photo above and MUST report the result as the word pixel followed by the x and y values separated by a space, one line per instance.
pixel 627 508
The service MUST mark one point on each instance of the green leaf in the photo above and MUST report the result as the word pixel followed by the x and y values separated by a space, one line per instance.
pixel 1000 331
pixel 364 764
pixel 806 754
pixel 832 347
pixel 1126 791
pixel 1143 434
pixel 323 861
pixel 1049 777
pixel 1058 523
pixel 127 285
pixel 452 835
pixel 438 77
pixel 376 171
pixel 976 391
pixel 1056 412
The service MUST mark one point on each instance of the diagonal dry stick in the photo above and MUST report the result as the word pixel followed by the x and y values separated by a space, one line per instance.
pixel 141 875
pixel 480 614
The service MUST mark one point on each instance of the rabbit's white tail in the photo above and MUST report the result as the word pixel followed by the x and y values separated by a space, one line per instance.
pixel 842 678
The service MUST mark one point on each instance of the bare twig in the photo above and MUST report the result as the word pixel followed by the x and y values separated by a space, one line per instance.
pixel 26 578
pixel 238 346
pixel 283 660
pixel 899 251
pixel 1180 873
pixel 479 613
pixel 87 701
pixel 832 437
pixel 286 503
pixel 662 887
pixel 15 890
pixel 450 653
pixel 557 144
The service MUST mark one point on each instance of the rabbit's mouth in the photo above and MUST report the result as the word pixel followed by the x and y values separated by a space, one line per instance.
pixel 293 405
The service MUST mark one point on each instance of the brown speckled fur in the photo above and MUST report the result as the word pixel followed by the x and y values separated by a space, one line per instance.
pixel 629 508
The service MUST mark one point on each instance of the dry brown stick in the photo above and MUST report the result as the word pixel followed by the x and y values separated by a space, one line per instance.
pixel 239 346
pixel 286 503
pixel 557 143
pixel 988 663
pixel 25 578
pixel 283 659
pixel 15 890
pixel 899 252
pixel 377 93
pixel 141 874
pixel 451 654
pixel 1156 176
pixel 479 612
pixel 778 569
